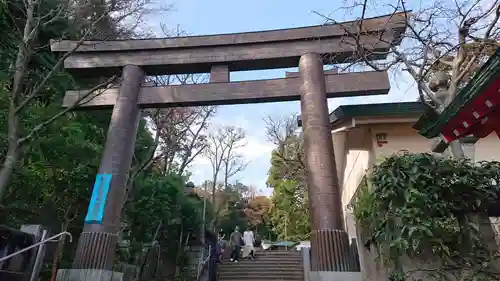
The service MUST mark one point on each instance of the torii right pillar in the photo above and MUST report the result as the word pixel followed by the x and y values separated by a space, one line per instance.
pixel 329 240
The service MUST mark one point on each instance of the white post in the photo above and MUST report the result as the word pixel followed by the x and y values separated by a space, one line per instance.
pixel 306 262
pixel 39 257
pixel 286 232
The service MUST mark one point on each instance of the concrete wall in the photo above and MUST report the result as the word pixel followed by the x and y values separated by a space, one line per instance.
pixel 399 137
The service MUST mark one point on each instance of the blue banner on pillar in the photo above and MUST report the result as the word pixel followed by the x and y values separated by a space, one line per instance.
pixel 95 213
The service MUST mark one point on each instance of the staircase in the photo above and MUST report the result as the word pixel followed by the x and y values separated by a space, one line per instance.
pixel 268 265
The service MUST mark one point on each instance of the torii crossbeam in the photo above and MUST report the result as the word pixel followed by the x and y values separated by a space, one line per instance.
pixel 309 48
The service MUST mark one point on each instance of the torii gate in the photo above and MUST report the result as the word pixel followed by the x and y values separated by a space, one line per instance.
pixel 307 47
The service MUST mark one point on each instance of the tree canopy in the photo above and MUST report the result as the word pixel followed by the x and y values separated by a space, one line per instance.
pixel 50 155
pixel 289 213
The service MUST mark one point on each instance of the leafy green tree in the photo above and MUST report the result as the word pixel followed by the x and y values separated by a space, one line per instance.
pixel 50 155
pixel 159 201
pixel 230 205
pixel 289 213
pixel 57 152
pixel 257 212
pixel 32 77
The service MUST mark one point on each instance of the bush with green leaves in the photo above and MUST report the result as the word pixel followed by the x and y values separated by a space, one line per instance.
pixel 160 200
pixel 415 204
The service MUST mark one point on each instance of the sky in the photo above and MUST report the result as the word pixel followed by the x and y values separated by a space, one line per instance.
pixel 203 17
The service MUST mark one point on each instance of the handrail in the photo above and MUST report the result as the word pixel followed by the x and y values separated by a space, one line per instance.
pixel 203 262
pixel 50 239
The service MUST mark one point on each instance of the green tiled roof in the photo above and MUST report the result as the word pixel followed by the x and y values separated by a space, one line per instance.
pixel 376 109
pixel 430 124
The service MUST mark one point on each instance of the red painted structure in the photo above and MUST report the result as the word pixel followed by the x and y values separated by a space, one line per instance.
pixel 478 118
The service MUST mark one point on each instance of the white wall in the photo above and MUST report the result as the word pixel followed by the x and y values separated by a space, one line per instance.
pixel 487 148
pixel 361 152
pixel 358 157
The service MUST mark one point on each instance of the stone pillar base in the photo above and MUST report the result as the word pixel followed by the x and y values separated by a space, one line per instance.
pixel 88 275
pixel 330 251
pixel 330 275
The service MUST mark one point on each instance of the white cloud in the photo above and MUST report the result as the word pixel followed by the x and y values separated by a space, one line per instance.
pixel 255 148
pixel 200 161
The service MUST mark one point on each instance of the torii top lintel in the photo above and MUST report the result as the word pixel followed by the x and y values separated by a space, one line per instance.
pixel 238 51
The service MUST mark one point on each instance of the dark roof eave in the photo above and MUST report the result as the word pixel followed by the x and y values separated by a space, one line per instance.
pixel 346 112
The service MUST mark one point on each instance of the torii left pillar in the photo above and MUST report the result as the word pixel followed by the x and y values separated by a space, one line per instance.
pixel 329 240
pixel 98 241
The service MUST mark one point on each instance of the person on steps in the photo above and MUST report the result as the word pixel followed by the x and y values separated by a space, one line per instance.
pixel 235 240
pixel 220 246
pixel 248 240
pixel 258 241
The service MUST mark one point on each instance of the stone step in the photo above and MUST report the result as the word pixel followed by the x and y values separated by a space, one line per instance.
pixel 285 275
pixel 265 279
pixel 262 277
pixel 279 252
pixel 261 267
pixel 257 264
pixel 287 264
pixel 259 260
pixel 269 259
pixel 277 257
pixel 261 272
pixel 265 262
pixel 284 255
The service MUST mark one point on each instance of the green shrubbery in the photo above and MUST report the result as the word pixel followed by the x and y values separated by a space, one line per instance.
pixel 420 203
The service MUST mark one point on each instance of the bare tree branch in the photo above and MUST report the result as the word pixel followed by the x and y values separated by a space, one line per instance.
pixel 445 44
pixel 222 152
pixel 282 132
pixel 103 20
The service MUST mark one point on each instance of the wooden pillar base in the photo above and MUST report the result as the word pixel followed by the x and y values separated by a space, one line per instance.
pixel 330 251
pixel 95 250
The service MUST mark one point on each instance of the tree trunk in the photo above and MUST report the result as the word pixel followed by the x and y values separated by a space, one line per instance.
pixel 12 150
pixel 226 175
pixel 20 69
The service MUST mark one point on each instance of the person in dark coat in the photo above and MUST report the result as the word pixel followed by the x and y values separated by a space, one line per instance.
pixel 220 246
pixel 258 241
pixel 236 241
